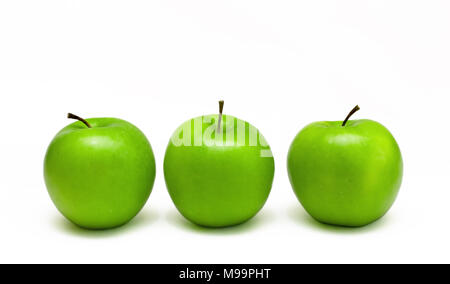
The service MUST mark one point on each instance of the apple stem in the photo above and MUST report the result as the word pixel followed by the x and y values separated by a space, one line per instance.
pixel 355 109
pixel 73 116
pixel 220 115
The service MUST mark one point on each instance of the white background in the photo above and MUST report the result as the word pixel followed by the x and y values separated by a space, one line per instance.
pixel 277 64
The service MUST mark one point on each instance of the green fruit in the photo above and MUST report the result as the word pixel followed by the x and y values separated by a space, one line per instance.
pixel 100 176
pixel 347 173
pixel 215 183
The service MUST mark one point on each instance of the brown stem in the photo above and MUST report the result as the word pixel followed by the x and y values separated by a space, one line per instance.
pixel 355 109
pixel 220 115
pixel 73 116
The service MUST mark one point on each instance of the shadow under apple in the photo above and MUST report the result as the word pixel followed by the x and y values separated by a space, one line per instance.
pixel 299 215
pixel 262 218
pixel 143 219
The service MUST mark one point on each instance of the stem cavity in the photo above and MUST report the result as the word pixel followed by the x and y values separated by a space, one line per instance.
pixel 220 115
pixel 73 116
pixel 355 109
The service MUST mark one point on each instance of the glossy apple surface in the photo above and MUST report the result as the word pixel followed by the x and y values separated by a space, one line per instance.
pixel 217 184
pixel 99 177
pixel 345 175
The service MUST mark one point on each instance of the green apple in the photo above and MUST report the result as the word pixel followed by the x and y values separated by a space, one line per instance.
pixel 345 173
pixel 99 172
pixel 218 170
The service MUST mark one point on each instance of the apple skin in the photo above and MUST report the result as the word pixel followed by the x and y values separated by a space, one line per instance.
pixel 345 175
pixel 99 177
pixel 217 185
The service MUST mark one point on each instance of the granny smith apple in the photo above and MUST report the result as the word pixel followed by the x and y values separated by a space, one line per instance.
pixel 345 173
pixel 99 172
pixel 218 170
